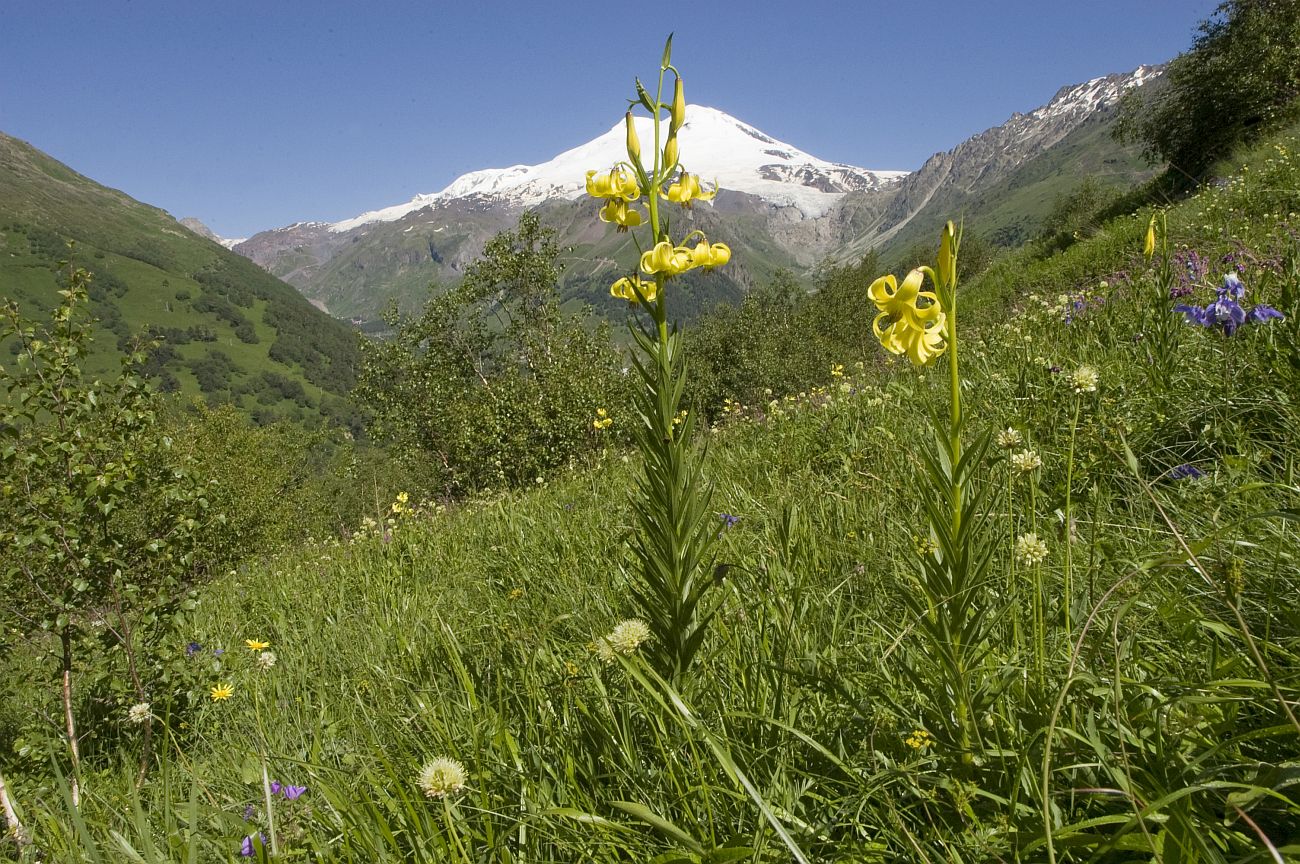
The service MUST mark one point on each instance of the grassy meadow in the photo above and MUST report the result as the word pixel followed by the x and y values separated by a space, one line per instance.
pixel 1134 677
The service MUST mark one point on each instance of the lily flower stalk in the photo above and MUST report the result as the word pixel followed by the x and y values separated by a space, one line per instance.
pixel 674 536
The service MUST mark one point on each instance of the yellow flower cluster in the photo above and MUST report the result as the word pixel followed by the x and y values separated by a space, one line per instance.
pixel 602 421
pixel 673 260
pixel 919 739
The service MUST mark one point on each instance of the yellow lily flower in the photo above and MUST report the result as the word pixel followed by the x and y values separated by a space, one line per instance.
pixel 627 288
pixel 667 259
pixel 688 189
pixel 616 184
pixel 617 211
pixel 899 303
pixel 1149 247
pixel 708 257
pixel 920 344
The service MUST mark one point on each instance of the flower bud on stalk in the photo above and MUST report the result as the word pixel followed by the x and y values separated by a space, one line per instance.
pixel 678 117
pixel 670 152
pixel 633 143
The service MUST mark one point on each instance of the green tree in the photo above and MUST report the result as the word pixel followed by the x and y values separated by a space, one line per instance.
pixel 492 383
pixel 1240 79
pixel 99 518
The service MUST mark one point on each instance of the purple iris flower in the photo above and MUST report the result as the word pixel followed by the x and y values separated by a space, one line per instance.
pixel 1232 287
pixel 293 793
pixel 1186 471
pixel 1226 311
pixel 1262 313
pixel 247 849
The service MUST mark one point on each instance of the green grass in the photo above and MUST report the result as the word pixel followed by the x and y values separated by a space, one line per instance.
pixel 1151 730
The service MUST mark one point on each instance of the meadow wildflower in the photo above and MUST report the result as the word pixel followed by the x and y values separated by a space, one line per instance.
pixel 628 635
pixel 729 520
pixel 911 329
pixel 633 289
pixel 139 713
pixel 602 421
pixel 1085 380
pixel 266 660
pixel 441 777
pixel 919 739
pixel 192 649
pixel 1030 551
pixel 248 849
pixel 1226 311
pixel 255 645
pixel 687 189
pixel 222 691
pixel 1026 461
pixel 1009 438
pixel 292 793
pixel 1186 471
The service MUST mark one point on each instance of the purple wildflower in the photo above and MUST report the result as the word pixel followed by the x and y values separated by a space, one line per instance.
pixel 1226 311
pixel 192 649
pixel 293 793
pixel 247 849
pixel 249 812
pixel 275 787
pixel 1186 471
pixel 1262 313
pixel 729 519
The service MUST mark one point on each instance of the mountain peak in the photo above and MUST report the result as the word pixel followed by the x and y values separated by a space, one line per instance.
pixel 719 148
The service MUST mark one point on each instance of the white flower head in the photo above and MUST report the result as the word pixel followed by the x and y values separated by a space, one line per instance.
pixel 1030 551
pixel 628 635
pixel 266 660
pixel 1009 438
pixel 139 713
pixel 1085 379
pixel 441 777
pixel 1026 461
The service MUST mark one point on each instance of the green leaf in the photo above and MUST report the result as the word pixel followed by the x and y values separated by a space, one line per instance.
pixel 653 819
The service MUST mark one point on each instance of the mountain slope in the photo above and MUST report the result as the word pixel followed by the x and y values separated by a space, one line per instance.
pixel 229 331
pixel 778 208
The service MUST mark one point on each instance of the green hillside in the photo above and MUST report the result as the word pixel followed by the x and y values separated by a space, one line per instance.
pixel 229 331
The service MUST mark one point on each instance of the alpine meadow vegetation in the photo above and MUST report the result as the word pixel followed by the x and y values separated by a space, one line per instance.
pixel 823 577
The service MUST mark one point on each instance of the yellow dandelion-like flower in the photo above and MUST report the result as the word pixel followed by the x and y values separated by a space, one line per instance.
pixel 441 777
pixel 222 691
pixel 254 645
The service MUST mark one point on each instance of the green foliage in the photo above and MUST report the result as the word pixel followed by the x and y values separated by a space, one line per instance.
pixel 100 516
pixel 1240 79
pixel 492 385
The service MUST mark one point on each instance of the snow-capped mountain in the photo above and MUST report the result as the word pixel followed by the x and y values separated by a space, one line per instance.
pixel 204 231
pixel 721 148
pixel 778 206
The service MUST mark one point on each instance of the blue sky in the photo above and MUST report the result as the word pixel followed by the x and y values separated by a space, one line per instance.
pixel 252 115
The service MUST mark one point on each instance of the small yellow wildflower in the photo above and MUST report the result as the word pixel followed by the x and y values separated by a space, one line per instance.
pixel 919 739
pixel 837 370
pixel 602 421
pixel 254 645
pixel 222 691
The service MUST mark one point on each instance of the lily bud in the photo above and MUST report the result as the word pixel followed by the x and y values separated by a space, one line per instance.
pixel 633 143
pixel 948 257
pixel 670 153
pixel 679 108
pixel 1149 247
